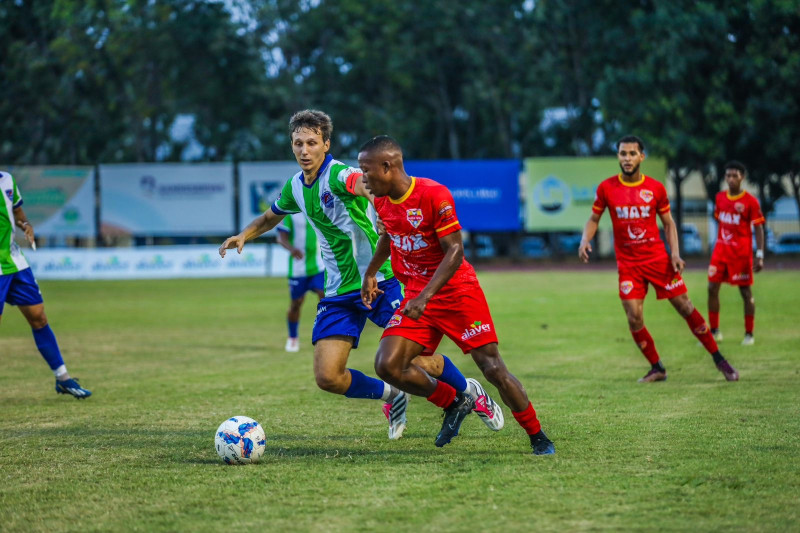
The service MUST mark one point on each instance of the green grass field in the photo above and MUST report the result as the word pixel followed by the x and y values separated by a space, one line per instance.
pixel 169 360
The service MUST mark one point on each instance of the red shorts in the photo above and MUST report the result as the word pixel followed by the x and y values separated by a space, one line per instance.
pixel 463 316
pixel 733 270
pixel 633 280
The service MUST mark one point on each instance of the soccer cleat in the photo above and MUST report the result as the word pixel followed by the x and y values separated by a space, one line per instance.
pixel 717 334
pixel 541 444
pixel 292 344
pixel 748 340
pixel 396 415
pixel 72 387
pixel 727 370
pixel 654 375
pixel 486 408
pixel 453 417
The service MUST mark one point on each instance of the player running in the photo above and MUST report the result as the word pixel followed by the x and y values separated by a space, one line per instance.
pixel 732 260
pixel 305 269
pixel 333 198
pixel 443 296
pixel 18 286
pixel 633 200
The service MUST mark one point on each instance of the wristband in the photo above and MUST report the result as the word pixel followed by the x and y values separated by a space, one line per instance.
pixel 759 254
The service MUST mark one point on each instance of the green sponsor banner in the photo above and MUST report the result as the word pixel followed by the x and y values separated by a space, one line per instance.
pixel 560 190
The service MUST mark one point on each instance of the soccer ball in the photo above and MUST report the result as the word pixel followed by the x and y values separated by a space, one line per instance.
pixel 240 440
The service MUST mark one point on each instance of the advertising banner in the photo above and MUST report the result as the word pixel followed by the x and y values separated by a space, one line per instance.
pixel 486 192
pixel 259 186
pixel 167 199
pixel 560 190
pixel 58 201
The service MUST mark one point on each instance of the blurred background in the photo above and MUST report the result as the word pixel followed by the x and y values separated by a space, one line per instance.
pixel 142 133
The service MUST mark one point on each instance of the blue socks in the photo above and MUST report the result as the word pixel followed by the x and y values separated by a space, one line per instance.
pixel 293 329
pixel 48 347
pixel 363 386
pixel 452 375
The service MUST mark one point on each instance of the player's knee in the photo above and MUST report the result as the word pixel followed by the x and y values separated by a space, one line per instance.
pixel 635 321
pixel 387 370
pixel 331 383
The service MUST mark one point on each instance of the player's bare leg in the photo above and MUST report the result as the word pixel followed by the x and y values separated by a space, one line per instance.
pixel 634 312
pixel 513 394
pixel 713 309
pixel 749 314
pixel 700 329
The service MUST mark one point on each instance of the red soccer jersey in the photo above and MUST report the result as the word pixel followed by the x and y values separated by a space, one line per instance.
pixel 633 208
pixel 414 223
pixel 734 215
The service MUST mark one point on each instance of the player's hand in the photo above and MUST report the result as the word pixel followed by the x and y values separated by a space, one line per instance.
pixel 28 229
pixel 415 307
pixel 678 264
pixel 758 266
pixel 370 291
pixel 232 242
pixel 297 253
pixel 584 250
pixel 381 228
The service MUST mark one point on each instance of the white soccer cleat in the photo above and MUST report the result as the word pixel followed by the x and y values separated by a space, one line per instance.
pixel 748 340
pixel 292 344
pixel 717 335
pixel 486 408
pixel 395 413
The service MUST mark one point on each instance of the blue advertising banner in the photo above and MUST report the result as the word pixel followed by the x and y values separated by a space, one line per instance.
pixel 486 192
pixel 259 186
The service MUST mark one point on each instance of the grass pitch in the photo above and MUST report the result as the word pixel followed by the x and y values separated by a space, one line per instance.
pixel 169 360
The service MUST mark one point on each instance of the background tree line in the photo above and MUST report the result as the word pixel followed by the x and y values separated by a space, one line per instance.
pixel 84 82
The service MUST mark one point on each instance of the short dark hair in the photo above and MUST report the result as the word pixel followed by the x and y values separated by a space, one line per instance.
pixel 314 120
pixel 381 143
pixel 631 139
pixel 736 165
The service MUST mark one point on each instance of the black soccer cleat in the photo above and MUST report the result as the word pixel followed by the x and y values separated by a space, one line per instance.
pixel 541 444
pixel 462 405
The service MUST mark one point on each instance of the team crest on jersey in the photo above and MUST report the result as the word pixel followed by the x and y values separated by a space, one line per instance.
pixel 626 287
pixel 414 216
pixel 10 194
pixel 711 270
pixel 739 206
pixel 394 321
pixel 327 199
pixel 646 195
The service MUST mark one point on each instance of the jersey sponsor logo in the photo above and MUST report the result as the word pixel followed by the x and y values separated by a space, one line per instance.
pixel 712 269
pixel 321 309
pixel 636 233
pixel 414 217
pixel 626 287
pixel 327 199
pixel 394 321
pixel 646 195
pixel 726 235
pixel 10 194
pixel 674 284
pixel 476 328
pixel 409 243
pixel 741 276
pixel 633 211
pixel 730 218
pixel 739 206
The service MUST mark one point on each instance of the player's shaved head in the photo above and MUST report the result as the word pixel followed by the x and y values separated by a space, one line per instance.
pixel 382 144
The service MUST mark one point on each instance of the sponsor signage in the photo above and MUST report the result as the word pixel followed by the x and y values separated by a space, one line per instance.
pixel 259 186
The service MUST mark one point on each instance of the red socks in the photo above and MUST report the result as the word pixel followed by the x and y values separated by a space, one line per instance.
pixel 713 319
pixel 527 419
pixel 645 343
pixel 443 396
pixel 701 330
pixel 748 324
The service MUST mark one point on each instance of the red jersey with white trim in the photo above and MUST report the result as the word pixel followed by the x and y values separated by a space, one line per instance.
pixel 633 208
pixel 415 223
pixel 734 215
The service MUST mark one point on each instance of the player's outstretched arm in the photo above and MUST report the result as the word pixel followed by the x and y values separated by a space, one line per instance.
pixel 671 234
pixel 263 223
pixel 24 225
pixel 369 287
pixel 589 231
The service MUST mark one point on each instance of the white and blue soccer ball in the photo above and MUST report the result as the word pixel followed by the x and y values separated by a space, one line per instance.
pixel 240 440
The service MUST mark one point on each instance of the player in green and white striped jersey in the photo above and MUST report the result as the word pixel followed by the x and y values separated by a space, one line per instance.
pixel 334 199
pixel 306 272
pixel 18 286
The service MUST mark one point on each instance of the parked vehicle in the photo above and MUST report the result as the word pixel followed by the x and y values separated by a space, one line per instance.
pixel 788 243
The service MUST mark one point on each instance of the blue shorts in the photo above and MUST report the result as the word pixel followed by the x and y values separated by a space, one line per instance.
pixel 346 315
pixel 299 286
pixel 19 288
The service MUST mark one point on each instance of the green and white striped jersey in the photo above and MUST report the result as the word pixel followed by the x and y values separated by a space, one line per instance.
pixel 302 236
pixel 11 258
pixel 346 234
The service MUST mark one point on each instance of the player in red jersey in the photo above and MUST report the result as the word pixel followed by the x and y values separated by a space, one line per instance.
pixel 732 260
pixel 633 200
pixel 443 296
